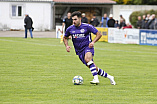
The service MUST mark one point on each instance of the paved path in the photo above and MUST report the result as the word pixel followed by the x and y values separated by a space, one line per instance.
pixel 36 34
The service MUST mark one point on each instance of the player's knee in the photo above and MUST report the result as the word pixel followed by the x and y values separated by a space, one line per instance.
pixel 88 57
pixel 87 60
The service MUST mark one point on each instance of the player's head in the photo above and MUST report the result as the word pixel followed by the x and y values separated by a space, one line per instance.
pixel 76 17
pixel 68 14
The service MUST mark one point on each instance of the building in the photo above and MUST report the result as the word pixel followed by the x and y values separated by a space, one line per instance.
pixel 12 14
pixel 46 14
pixel 89 7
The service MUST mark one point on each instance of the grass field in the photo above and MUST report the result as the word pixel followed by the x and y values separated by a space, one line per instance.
pixel 40 71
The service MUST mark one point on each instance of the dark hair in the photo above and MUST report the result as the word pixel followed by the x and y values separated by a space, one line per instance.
pixel 68 12
pixel 76 13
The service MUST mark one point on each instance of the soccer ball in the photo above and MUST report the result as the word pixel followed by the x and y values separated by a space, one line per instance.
pixel 77 80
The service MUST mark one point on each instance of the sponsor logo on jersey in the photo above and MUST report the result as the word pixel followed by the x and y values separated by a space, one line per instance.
pixel 78 35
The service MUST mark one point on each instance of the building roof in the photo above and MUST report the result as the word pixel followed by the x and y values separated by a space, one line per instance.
pixel 85 1
pixel 27 0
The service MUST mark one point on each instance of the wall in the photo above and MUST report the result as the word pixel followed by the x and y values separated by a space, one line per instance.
pixel 39 12
pixel 4 15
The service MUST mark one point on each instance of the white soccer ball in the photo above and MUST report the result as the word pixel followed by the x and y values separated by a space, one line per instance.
pixel 77 80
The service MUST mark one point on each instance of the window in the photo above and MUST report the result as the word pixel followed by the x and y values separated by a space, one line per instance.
pixel 16 11
pixel 19 10
pixel 13 10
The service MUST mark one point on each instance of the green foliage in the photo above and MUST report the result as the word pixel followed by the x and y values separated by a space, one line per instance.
pixel 133 17
pixel 149 2
pixel 40 71
pixel 137 2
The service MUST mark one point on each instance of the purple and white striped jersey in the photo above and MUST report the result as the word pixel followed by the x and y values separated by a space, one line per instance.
pixel 81 36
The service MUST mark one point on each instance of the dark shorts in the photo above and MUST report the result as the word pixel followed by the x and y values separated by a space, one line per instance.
pixel 82 54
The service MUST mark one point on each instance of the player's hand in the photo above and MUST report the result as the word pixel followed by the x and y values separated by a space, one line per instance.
pixel 69 37
pixel 91 45
pixel 60 30
pixel 68 48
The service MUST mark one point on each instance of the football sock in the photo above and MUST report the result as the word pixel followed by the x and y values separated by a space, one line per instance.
pixel 109 76
pixel 103 73
pixel 93 69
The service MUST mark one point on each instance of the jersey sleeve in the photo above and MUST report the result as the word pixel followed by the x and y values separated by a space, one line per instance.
pixel 63 20
pixel 67 32
pixel 92 29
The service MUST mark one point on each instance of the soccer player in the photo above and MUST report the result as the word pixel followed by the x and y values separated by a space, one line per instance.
pixel 67 22
pixel 84 46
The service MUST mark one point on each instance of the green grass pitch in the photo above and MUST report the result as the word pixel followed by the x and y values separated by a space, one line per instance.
pixel 40 71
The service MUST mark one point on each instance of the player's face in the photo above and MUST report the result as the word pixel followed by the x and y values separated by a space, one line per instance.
pixel 69 15
pixel 76 21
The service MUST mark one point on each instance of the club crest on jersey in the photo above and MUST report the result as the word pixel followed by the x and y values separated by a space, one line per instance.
pixel 73 31
pixel 82 30
pixel 78 35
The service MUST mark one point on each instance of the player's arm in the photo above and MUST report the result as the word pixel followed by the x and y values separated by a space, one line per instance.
pixel 63 24
pixel 65 39
pixel 98 36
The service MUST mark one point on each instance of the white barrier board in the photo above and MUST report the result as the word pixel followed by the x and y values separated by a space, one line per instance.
pixel 126 36
pixel 58 32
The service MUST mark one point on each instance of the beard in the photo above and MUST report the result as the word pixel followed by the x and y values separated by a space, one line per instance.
pixel 77 24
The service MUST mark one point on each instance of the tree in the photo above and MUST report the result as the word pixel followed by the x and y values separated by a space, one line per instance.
pixel 127 1
pixel 137 2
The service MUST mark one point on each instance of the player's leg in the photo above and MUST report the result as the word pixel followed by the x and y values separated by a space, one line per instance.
pixel 88 58
pixel 106 75
pixel 92 66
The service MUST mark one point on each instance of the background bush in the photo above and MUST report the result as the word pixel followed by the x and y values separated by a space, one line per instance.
pixel 133 17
